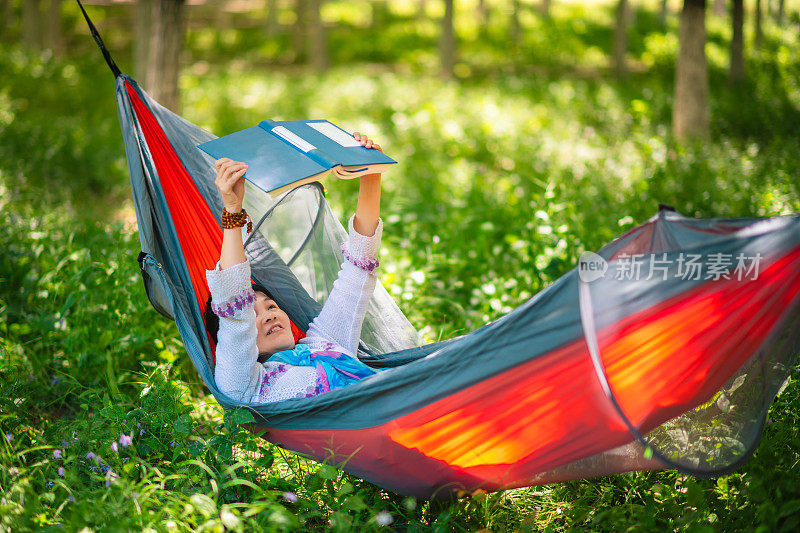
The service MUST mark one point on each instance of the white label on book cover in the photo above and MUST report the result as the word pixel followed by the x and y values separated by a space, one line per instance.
pixel 334 133
pixel 296 140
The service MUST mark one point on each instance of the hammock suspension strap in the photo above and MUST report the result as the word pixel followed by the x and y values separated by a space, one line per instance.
pixel 99 41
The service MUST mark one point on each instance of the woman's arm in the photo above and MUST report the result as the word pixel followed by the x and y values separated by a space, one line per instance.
pixel 230 182
pixel 237 372
pixel 368 208
pixel 342 316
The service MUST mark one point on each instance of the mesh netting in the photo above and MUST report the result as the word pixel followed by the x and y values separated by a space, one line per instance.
pixel 710 332
pixel 303 231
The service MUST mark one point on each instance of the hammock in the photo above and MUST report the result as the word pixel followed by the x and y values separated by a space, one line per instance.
pixel 587 378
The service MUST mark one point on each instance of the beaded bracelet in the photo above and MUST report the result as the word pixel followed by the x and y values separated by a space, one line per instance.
pixel 236 220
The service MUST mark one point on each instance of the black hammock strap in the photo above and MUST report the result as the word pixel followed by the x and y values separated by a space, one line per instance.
pixel 99 41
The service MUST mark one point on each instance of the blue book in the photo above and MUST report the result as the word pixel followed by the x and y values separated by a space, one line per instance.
pixel 282 155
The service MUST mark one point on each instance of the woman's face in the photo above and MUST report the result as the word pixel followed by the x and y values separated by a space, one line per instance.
pixel 274 332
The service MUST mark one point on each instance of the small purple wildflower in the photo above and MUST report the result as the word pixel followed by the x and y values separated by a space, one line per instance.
pixel 90 455
pixel 384 518
pixel 125 459
pixel 61 471
pixel 290 497
pixel 173 443
pixel 54 381
pixel 110 476
pixel 56 454
pixel 30 378
pixel 768 422
pixel 106 468
pixel 126 440
pixel 124 420
pixel 114 447
pixel 48 484
pixel 70 499
pixel 141 432
pixel 9 437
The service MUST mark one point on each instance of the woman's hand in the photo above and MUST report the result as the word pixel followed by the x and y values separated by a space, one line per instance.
pixel 230 183
pixel 366 142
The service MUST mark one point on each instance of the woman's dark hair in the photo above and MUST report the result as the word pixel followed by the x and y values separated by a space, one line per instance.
pixel 212 320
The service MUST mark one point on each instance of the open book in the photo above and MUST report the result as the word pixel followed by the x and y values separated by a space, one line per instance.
pixel 286 154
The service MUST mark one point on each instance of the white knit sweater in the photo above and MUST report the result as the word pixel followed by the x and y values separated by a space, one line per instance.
pixel 238 373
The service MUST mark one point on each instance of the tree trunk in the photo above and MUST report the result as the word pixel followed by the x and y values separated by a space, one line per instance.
pixel 544 7
pixel 380 14
pixel 5 16
pixel 299 31
pixel 141 44
pixel 422 9
pixel 514 28
pixel 32 30
pixel 271 24
pixel 483 18
pixel 223 21
pixel 736 72
pixel 166 31
pixel 719 8
pixel 662 17
pixel 317 45
pixel 757 23
pixel 621 39
pixel 55 36
pixel 781 11
pixel 447 42
pixel 690 115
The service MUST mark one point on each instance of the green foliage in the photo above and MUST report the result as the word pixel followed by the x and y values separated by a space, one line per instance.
pixel 530 156
pixel 80 151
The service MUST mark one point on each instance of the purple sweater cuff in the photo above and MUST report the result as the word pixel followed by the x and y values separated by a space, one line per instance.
pixel 235 304
pixel 370 264
pixel 362 250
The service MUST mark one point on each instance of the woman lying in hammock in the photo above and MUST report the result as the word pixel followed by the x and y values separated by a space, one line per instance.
pixel 248 326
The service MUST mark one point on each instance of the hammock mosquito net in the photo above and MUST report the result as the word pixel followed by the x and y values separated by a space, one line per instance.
pixel 587 378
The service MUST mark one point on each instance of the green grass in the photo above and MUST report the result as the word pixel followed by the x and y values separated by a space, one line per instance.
pixel 534 148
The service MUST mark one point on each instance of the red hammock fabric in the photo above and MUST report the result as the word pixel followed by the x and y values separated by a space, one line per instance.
pixel 198 231
pixel 503 431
